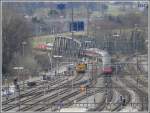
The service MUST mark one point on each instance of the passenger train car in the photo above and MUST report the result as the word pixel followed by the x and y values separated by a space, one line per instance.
pixel 101 56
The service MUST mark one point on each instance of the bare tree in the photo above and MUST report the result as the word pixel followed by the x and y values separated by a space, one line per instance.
pixel 15 30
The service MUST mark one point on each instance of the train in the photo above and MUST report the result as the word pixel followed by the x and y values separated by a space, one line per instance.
pixel 101 56
pixel 81 67
pixel 44 47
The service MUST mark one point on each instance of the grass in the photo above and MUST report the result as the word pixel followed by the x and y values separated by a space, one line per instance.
pixel 50 38
pixel 41 40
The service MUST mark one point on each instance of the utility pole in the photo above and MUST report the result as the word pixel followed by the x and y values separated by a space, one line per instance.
pixel 116 36
pixel 50 59
pixel 23 44
pixel 87 20
pixel 72 84
pixel 72 21
pixel 116 71
pixel 94 97
pixel 7 87
pixel 72 28
pixel 19 97
pixel 23 47
pixel 92 71
pixel 17 89
pixel 87 99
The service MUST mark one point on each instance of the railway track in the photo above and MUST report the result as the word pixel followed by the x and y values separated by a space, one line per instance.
pixel 33 95
pixel 124 93
pixel 40 101
pixel 39 94
pixel 63 95
pixel 136 72
pixel 143 96
pixel 132 85
pixel 77 84
pixel 107 96
pixel 30 92
pixel 101 106
pixel 133 72
pixel 114 106
pixel 79 97
pixel 70 99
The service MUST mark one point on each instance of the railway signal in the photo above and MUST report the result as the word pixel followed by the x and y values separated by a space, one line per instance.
pixel 15 81
pixel 124 102
pixel 121 98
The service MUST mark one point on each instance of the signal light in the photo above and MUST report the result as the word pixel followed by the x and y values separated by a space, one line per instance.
pixel 15 81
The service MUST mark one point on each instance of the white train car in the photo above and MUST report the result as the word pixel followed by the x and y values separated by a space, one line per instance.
pixel 101 55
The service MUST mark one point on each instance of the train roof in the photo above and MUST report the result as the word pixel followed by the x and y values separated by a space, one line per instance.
pixel 99 51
